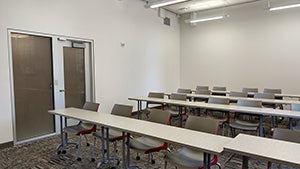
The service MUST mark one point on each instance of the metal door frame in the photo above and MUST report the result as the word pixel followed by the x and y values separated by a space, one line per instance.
pixel 11 76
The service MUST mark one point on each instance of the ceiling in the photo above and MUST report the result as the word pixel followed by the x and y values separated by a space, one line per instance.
pixel 201 5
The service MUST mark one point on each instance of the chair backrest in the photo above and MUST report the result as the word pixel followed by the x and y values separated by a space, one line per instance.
pixel 295 107
pixel 186 91
pixel 247 90
pixel 202 91
pixel 178 96
pixel 217 100
pixel 156 95
pixel 274 91
pixel 287 135
pixel 91 106
pixel 122 110
pixel 249 103
pixel 237 94
pixel 264 95
pixel 202 88
pixel 199 123
pixel 217 88
pixel 159 116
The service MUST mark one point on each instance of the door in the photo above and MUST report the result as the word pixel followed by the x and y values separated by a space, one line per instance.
pixel 32 81
pixel 47 72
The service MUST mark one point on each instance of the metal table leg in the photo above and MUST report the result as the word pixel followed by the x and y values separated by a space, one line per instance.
pixel 245 162
pixel 261 120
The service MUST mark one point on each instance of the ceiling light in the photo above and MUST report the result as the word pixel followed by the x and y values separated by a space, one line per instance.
pixel 165 3
pixel 284 7
pixel 205 19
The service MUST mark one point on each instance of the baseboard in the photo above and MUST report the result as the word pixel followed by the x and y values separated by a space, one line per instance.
pixel 6 145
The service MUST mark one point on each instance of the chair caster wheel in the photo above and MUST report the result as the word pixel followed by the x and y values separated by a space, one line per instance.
pixel 116 151
pixel 87 144
pixel 58 152
pixel 105 151
pixel 76 146
pixel 113 167
pixel 152 161
pixel 93 160
pixel 78 159
pixel 137 157
pixel 64 152
pixel 118 162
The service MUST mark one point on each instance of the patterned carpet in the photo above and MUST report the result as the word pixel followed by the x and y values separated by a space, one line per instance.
pixel 42 155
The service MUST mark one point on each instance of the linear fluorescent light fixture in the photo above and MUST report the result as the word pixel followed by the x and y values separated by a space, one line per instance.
pixel 205 19
pixel 284 7
pixel 165 3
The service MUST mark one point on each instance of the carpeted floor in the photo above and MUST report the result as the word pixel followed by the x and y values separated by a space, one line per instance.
pixel 42 155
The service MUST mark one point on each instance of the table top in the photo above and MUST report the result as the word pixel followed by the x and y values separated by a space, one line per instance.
pixel 276 151
pixel 271 101
pixel 209 143
pixel 251 93
pixel 221 107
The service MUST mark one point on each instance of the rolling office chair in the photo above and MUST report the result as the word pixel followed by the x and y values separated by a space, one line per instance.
pixel 296 107
pixel 243 121
pixel 184 91
pixel 82 128
pixel 249 90
pixel 151 105
pixel 174 110
pixel 114 135
pixel 222 117
pixel 202 88
pixel 186 157
pixel 218 88
pixel 200 91
pixel 285 135
pixel 149 145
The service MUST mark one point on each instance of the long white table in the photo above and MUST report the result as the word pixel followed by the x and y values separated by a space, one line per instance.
pixel 251 93
pixel 268 101
pixel 228 108
pixel 272 150
pixel 208 143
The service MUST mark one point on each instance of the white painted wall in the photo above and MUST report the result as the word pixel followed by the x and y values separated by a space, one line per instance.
pixel 251 48
pixel 149 61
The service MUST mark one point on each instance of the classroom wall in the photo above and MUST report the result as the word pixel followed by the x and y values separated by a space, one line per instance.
pixel 148 62
pixel 251 48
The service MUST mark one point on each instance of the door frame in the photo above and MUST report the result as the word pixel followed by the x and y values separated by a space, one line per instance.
pixel 56 106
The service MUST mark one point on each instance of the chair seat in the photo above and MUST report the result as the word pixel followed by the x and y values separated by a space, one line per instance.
pixel 84 128
pixel 185 158
pixel 145 143
pixel 243 125
pixel 114 135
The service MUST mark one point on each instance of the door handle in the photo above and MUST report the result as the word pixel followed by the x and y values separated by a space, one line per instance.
pixel 61 90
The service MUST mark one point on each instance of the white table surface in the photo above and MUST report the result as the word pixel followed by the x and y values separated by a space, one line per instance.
pixel 231 108
pixel 251 93
pixel 271 101
pixel 276 151
pixel 209 143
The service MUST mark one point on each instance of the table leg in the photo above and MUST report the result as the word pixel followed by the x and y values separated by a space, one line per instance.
pixel 206 160
pixel 245 162
pixel 123 150
pixel 128 150
pixel 102 148
pixel 291 123
pixel 180 116
pixel 261 120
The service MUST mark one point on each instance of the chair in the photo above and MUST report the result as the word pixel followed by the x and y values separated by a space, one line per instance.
pixel 82 128
pixel 236 94
pixel 250 90
pixel 274 91
pixel 222 117
pixel 243 121
pixel 296 107
pixel 159 95
pixel 114 135
pixel 149 145
pixel 285 135
pixel 184 91
pixel 202 92
pixel 174 110
pixel 217 88
pixel 186 157
pixel 202 88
